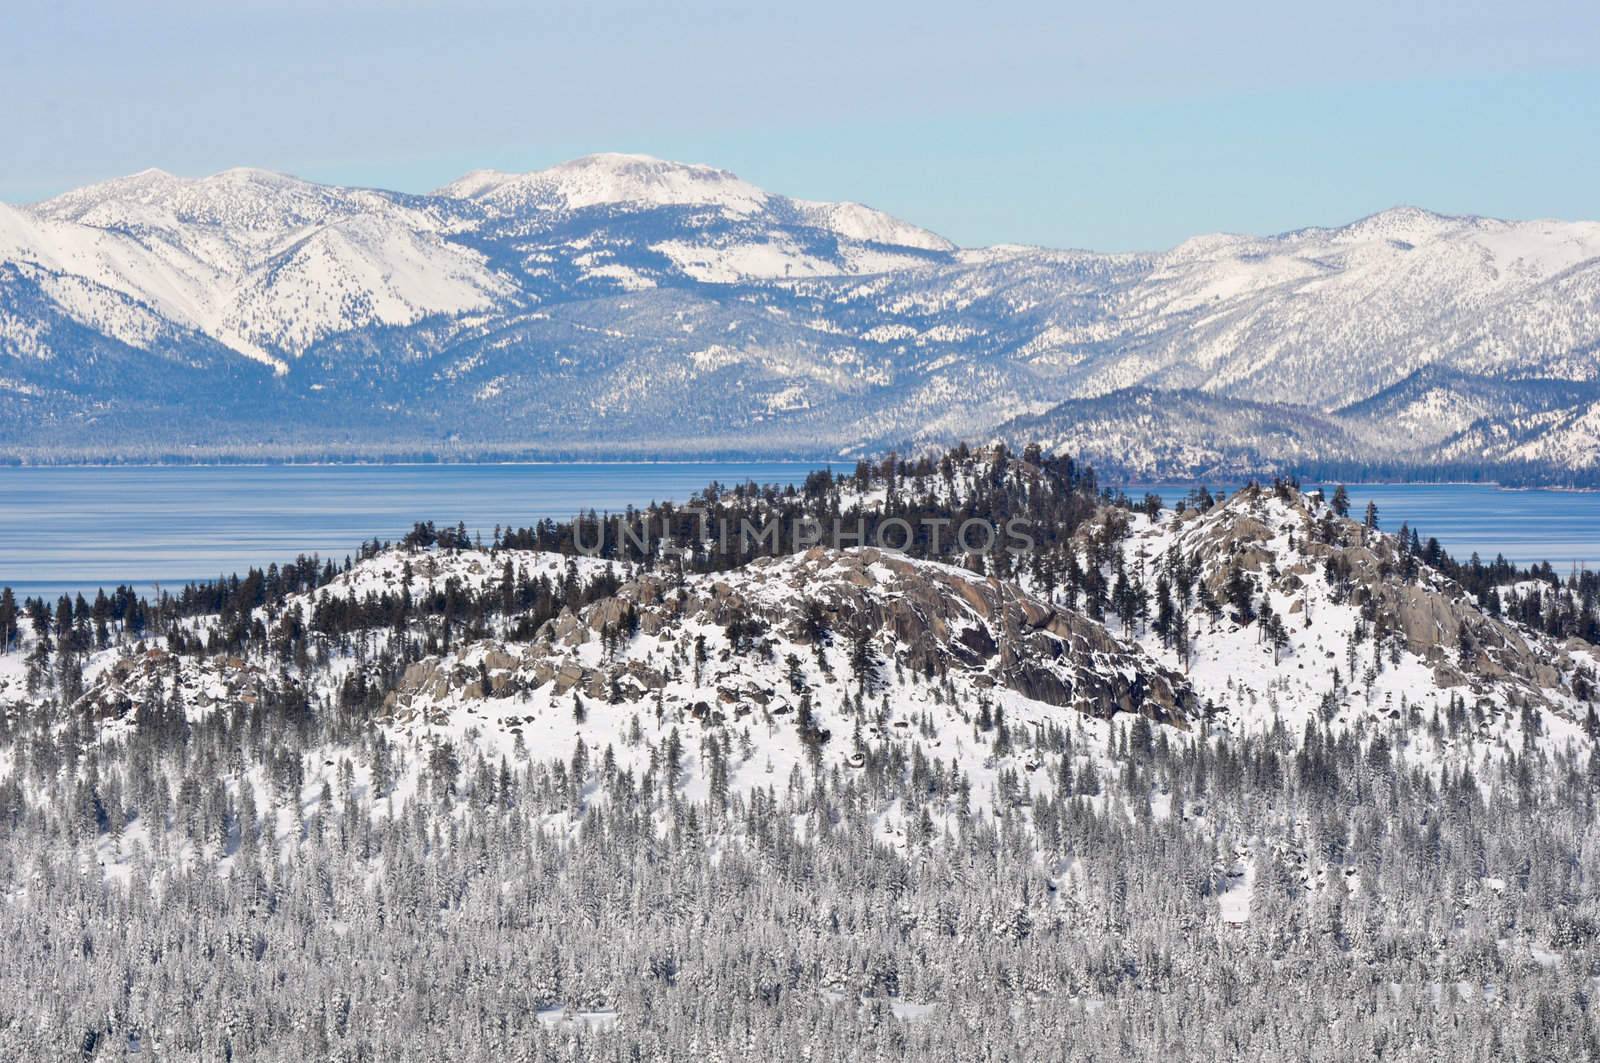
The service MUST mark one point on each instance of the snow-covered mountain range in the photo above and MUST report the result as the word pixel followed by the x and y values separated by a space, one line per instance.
pixel 619 304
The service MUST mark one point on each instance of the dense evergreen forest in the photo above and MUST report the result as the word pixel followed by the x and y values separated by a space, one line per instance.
pixel 282 873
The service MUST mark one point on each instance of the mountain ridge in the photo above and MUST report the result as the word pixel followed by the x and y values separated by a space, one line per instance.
pixel 638 304
pixel 1246 753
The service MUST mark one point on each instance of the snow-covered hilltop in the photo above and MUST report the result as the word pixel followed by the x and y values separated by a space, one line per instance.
pixel 1267 612
pixel 647 306
pixel 1250 759
pixel 1307 616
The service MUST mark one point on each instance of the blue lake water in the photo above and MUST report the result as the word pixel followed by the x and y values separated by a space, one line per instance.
pixel 78 528
pixel 71 529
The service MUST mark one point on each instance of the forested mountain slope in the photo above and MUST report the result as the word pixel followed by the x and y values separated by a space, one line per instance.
pixel 1251 776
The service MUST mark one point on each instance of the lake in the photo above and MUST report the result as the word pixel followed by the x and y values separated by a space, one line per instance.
pixel 78 528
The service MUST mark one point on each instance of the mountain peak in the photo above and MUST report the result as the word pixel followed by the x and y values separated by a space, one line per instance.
pixel 143 185
pixel 244 202
pixel 253 174
pixel 627 159
pixel 1404 223
pixel 618 179
pixel 218 198
pixel 610 178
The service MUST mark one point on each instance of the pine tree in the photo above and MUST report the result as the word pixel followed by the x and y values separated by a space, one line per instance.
pixel 8 619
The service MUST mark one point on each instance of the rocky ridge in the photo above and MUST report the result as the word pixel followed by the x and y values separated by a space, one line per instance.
pixel 931 619
pixel 1366 623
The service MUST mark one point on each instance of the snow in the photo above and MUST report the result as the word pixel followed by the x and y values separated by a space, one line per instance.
pixel 765 260
pixel 776 258
pixel 636 182
pixel 1234 903
pixel 269 265
pixel 870 226
pixel 1235 667
pixel 912 1012
pixel 540 723
pixel 610 179
pixel 1233 848
pixel 1412 225
pixel 592 1020
pixel 259 261
pixel 759 737
pixel 353 274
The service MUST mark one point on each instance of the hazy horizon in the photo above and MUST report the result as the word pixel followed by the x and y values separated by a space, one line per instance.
pixel 1107 130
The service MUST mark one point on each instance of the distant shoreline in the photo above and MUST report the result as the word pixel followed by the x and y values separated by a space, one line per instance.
pixel 540 463
pixel 1111 481
pixel 688 453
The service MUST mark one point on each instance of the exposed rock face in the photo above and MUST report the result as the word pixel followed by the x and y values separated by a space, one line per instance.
pixel 137 680
pixel 929 618
pixel 941 618
pixel 1432 615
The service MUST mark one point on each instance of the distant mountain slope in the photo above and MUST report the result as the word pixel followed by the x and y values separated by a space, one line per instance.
pixel 1437 402
pixel 1144 434
pixel 1329 316
pixel 624 305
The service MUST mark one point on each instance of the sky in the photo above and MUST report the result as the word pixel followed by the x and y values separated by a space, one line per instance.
pixel 1116 126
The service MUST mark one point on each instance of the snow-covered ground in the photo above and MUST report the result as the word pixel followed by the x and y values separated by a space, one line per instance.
pixel 1454 326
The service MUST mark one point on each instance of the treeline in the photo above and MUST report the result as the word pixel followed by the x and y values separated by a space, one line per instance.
pixel 324 891
pixel 1050 498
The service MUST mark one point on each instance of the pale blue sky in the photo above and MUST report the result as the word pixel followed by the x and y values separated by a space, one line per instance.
pixel 1124 125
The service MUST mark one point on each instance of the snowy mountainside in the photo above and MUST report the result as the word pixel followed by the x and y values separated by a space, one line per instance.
pixel 120 348
pixel 631 181
pixel 1266 612
pixel 777 658
pixel 1525 430
pixel 1148 434
pixel 1249 752
pixel 1314 617
pixel 1361 650
pixel 266 263
pixel 885 632
pixel 1326 317
pixel 1567 438
pixel 1437 403
pixel 619 304
pixel 639 183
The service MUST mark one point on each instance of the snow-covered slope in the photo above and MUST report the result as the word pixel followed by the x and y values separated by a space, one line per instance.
pixel 1147 434
pixel 634 182
pixel 740 654
pixel 1365 629
pixel 1328 316
pixel 1296 770
pixel 267 264
pixel 1263 615
pixel 621 297
pixel 1438 403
